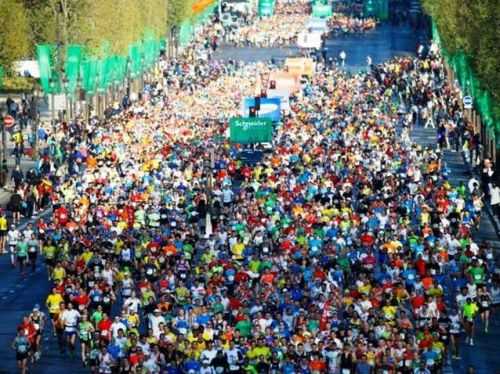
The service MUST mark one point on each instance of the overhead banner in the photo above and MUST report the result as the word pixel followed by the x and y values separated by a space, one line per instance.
pixel 309 40
pixel 269 108
pixel 284 81
pixel 250 130
pixel 200 5
pixel 283 95
pixel 300 66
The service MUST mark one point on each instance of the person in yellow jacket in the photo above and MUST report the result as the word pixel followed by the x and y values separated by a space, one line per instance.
pixel 53 303
pixel 4 228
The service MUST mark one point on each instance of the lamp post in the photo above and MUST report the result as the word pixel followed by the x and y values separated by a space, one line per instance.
pixel 52 102
pixel 34 124
pixel 3 113
pixel 65 88
pixel 3 166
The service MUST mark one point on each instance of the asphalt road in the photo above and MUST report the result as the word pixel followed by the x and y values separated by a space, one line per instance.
pixel 382 43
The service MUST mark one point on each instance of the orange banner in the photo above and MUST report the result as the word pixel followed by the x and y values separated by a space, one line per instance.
pixel 285 81
pixel 301 66
pixel 201 5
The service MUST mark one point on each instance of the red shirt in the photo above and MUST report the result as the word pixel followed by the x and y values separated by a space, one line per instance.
pixel 417 301
pixel 61 215
pixel 104 327
pixel 29 331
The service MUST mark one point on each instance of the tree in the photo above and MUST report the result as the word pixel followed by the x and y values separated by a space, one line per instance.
pixel 14 33
pixel 42 23
pixel 179 11
pixel 471 27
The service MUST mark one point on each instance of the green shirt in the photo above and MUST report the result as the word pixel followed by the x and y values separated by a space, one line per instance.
pixel 22 249
pixel 244 327
pixel 84 328
pixel 96 317
pixel 49 251
pixel 470 310
pixel 477 274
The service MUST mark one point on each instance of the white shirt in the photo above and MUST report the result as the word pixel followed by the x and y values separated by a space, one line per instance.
pixel 115 326
pixel 132 303
pixel 154 324
pixel 70 319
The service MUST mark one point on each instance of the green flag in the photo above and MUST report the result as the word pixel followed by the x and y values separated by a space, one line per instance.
pixel 45 64
pixel 72 67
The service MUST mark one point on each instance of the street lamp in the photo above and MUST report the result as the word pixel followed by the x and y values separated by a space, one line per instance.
pixel 3 166
pixel 52 101
pixel 34 124
pixel 3 113
pixel 65 88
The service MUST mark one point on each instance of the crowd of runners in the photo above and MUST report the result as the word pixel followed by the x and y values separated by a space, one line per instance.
pixel 343 250
pixel 283 27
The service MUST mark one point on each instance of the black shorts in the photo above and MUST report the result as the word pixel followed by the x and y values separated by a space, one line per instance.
pixel 49 262
pixel 21 356
pixel 483 309
pixel 3 233
pixel 21 259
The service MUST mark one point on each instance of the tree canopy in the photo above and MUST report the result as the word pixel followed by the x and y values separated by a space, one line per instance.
pixel 15 37
pixel 99 25
pixel 471 27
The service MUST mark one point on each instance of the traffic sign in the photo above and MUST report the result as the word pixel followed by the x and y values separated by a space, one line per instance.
pixel 8 121
pixel 467 100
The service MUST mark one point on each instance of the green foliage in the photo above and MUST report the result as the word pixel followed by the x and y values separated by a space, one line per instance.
pixel 471 27
pixel 178 11
pixel 14 33
pixel 17 84
pixel 41 21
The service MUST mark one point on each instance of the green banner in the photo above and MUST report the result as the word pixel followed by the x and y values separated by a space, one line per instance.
pixel 72 67
pixel 46 67
pixel 250 130
pixel 369 8
pixel 1 76
pixel 266 8
pixel 186 32
pixel 322 11
pixel 89 75
pixel 134 53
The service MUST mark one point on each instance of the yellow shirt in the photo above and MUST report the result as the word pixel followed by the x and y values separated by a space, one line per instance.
pixel 3 223
pixel 58 274
pixel 53 302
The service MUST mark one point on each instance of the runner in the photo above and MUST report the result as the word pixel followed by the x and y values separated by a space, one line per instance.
pixel 21 346
pixel 4 229
pixel 69 318
pixel 37 318
pixel 85 331
pixel 470 310
pixel 13 238
pixel 53 303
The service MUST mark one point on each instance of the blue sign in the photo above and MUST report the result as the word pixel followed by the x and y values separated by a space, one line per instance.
pixel 270 107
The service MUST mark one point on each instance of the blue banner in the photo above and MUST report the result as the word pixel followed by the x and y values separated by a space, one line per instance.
pixel 269 108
